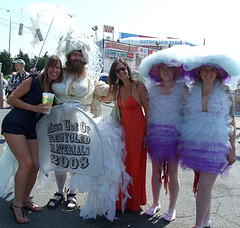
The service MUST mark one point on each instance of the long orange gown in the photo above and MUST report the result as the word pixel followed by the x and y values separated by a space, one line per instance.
pixel 134 124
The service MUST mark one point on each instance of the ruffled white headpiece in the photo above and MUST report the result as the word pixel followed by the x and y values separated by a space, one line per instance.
pixel 89 49
pixel 171 57
pixel 225 59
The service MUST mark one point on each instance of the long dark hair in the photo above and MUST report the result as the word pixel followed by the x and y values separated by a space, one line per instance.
pixel 51 61
pixel 112 77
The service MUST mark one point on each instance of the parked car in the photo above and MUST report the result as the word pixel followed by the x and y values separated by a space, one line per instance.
pixel 103 77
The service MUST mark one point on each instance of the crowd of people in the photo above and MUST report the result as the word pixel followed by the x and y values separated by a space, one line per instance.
pixel 183 116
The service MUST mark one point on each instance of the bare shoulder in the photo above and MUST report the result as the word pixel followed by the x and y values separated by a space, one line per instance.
pixel 141 87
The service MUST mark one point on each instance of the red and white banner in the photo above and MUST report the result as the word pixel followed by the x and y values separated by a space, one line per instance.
pixel 109 29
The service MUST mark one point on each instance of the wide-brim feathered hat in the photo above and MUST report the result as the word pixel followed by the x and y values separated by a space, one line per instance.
pixel 91 53
pixel 171 57
pixel 226 63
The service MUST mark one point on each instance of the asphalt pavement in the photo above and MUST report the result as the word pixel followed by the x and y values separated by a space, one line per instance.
pixel 224 210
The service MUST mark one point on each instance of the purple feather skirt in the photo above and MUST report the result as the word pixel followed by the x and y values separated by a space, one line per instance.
pixel 203 157
pixel 162 141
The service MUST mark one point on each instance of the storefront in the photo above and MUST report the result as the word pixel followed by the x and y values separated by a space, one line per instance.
pixel 133 54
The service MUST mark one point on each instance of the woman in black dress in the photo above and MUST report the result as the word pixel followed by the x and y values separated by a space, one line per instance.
pixel 18 128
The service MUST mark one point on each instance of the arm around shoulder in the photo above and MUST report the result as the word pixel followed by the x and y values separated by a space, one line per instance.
pixel 110 96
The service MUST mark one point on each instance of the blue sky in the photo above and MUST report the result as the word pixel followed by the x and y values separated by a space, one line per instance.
pixel 193 20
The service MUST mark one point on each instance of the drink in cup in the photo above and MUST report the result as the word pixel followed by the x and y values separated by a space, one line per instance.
pixel 47 98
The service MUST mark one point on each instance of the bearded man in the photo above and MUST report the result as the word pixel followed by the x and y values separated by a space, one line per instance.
pixel 72 140
pixel 75 64
pixel 76 87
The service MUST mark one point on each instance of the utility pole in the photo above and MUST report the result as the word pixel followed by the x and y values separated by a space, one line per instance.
pixel 10 31
pixel 95 29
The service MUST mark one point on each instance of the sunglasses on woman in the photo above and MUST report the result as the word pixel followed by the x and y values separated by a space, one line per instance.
pixel 120 69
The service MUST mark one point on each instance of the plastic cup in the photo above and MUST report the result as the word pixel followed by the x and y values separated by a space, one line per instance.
pixel 47 98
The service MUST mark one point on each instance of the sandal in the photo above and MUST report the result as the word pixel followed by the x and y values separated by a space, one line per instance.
pixel 32 207
pixel 24 218
pixel 153 210
pixel 54 202
pixel 170 215
pixel 71 202
pixel 207 223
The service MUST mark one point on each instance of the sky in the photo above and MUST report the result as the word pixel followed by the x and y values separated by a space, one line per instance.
pixel 216 21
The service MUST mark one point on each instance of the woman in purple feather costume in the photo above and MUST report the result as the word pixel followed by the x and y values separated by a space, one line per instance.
pixel 164 119
pixel 208 133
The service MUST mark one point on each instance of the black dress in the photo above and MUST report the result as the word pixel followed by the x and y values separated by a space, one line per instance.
pixel 23 122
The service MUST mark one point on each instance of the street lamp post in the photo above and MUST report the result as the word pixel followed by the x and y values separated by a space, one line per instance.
pixel 1 87
pixel 10 31
pixel 95 29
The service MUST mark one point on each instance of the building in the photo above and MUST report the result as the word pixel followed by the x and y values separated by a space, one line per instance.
pixel 133 49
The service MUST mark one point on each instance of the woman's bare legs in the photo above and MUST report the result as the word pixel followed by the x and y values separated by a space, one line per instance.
pixel 156 186
pixel 33 148
pixel 204 194
pixel 19 147
pixel 173 183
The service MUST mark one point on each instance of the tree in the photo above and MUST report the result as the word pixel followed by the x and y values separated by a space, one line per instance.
pixel 8 66
pixel 6 61
pixel 41 61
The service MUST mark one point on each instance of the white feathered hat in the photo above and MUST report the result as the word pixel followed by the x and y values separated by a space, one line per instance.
pixel 226 62
pixel 83 43
pixel 170 56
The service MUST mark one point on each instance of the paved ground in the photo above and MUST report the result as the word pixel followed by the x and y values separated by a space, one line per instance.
pixel 225 205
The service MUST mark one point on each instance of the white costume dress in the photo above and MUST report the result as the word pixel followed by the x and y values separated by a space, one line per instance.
pixel 102 188
pixel 205 135
pixel 165 117
pixel 83 91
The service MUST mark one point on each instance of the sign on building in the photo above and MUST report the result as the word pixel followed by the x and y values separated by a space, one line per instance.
pixel 109 29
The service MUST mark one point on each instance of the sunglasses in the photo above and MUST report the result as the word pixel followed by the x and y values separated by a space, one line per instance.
pixel 120 69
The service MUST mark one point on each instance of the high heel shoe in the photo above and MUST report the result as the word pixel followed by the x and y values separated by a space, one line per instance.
pixel 20 221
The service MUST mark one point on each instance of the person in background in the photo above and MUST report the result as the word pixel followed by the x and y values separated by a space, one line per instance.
pixel 8 89
pixel 208 132
pixel 18 129
pixel 131 98
pixel 20 75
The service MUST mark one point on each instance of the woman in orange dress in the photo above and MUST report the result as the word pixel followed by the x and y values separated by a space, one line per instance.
pixel 131 99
